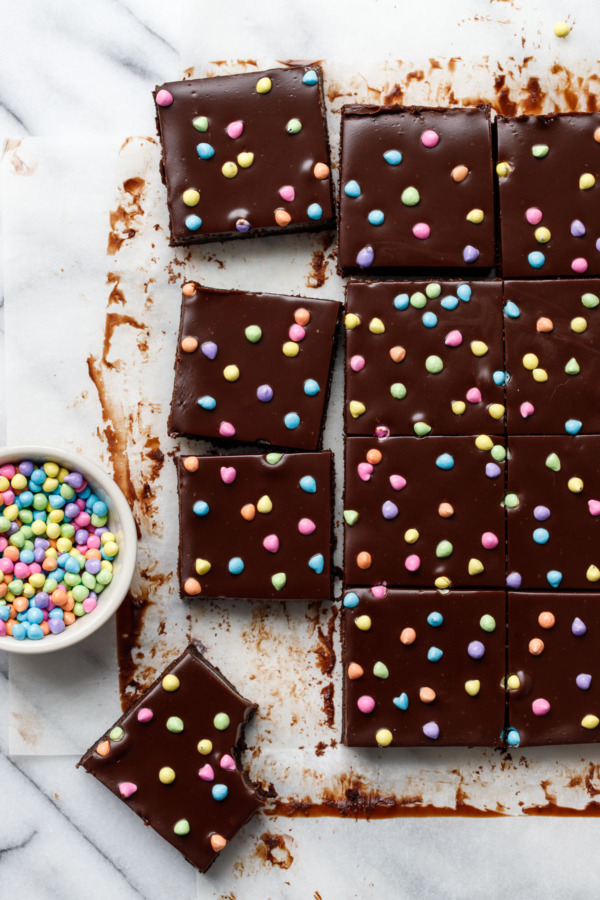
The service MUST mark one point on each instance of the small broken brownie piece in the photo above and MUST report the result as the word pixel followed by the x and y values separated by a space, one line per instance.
pixel 423 668
pixel 256 527
pixel 245 155
pixel 173 758
pixel 253 368
pixel 416 190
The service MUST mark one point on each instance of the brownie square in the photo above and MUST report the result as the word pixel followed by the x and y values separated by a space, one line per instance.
pixel 548 173
pixel 173 758
pixel 245 155
pixel 253 367
pixel 423 668
pixel 256 527
pixel 552 331
pixel 554 668
pixel 416 189
pixel 424 357
pixel 553 512
pixel 425 513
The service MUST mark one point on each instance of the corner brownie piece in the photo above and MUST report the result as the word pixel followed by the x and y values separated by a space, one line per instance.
pixel 425 513
pixel 424 357
pixel 554 669
pixel 548 173
pixel 553 512
pixel 245 155
pixel 423 668
pixel 256 527
pixel 253 367
pixel 416 189
pixel 552 332
pixel 173 758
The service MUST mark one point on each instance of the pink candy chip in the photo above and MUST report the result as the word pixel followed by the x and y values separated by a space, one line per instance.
pixel 526 409
pixel 412 562
pixel 379 591
pixel 164 98
pixel 127 788
pixel 227 762
pixel 228 474
pixel 366 704
pixel 397 482
pixel 297 333
pixel 540 707
pixel 430 138
pixel 306 526
pixel 533 215
pixel 206 773
pixel 357 363
pixel 234 129
pixel 271 543
pixel 453 339
pixel 365 470
pixel 226 429
pixel 287 192
pixel 421 230
pixel 145 714
pixel 89 604
pixel 489 540
pixel 474 395
pixel 579 265
pixel 594 507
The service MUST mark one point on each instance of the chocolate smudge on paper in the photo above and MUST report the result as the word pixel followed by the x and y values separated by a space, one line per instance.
pixel 274 850
pixel 123 224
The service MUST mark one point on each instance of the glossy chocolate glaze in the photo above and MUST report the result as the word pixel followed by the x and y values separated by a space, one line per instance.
pixel 475 498
pixel 465 140
pixel 574 542
pixel 280 158
pixel 550 184
pixel 146 747
pixel 551 675
pixel 429 397
pixel 462 719
pixel 563 397
pixel 221 317
pixel 224 533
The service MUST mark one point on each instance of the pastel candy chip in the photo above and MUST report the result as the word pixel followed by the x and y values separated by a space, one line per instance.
pixel 431 730
pixel 209 348
pixel 453 339
pixel 421 230
pixel 474 395
pixel 578 627
pixel 127 788
pixel 306 526
pixel 205 151
pixel 365 257
pixel 206 773
pixel 536 259
pixel 310 78
pixel 430 138
pixel 533 215
pixel 401 702
pixel 164 97
pixel 352 189
pixel 470 254
pixel 540 707
pixel 392 157
pixel 351 600
pixel 317 563
pixel 271 543
pixel 227 762
pixel 398 482
pixel 365 470
pixel 228 474
pixel 389 510
pixel 594 507
pixel 583 681
pixel 308 484
pixel 526 409
pixel 287 192
pixel 445 461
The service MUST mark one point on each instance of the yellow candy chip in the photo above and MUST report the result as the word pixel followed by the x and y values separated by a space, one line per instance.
pixel 291 349
pixel 578 324
pixel 170 682
pixel 411 536
pixel 484 442
pixel 475 216
pixel 202 566
pixel 496 410
pixel 575 485
pixel 50 485
pixel 229 169
pixel 442 583
pixel 38 527
pixel 472 687
pixel 357 408
pixel 245 160
pixel 540 375
pixel 363 623
pixel 265 504
pixel 475 567
pixel 513 682
pixel 52 530
pixel 592 574
pixel 458 407
pixel 561 29
pixel 384 737
pixel 263 85
pixel 479 348
pixel 590 721
pixel 351 321
pixel 587 181
pixel 51 469
pixel 166 775
pixel 376 326
pixel 503 169
pixel 204 747
pixel 191 197
pixel 530 361
pixel 231 373
pixel 18 482
pixel 4 484
pixel 11 512
pixel 542 235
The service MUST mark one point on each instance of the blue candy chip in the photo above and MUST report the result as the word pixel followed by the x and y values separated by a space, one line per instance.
pixel 207 402
pixel 205 151
pixel 201 507
pixel 445 461
pixel 291 420
pixel 314 211
pixel 541 535
pixel 220 791
pixel 512 310
pixel 500 377
pixel 429 320
pixel 352 189
pixel 449 302
pixel 308 484
pixel 434 654
pixel 317 563
pixel 401 702
pixel 34 633
pixel 193 223
pixel 464 292
pixel 236 565
pixel 435 619
pixel 311 387
pixel 376 217
pixel 310 78
pixel 554 577
pixel 401 301
pixel 513 738
pixel 392 157
pixel 573 426
pixel 536 259
pixel 351 600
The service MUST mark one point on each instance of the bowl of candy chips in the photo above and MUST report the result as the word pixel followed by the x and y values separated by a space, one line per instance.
pixel 68 547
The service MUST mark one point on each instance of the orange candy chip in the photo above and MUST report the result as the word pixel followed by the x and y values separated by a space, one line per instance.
pixel 374 456
pixel 282 217
pixel 408 635
pixel 355 671
pixel 192 587
pixel 544 325
pixel 445 510
pixel 217 842
pixel 248 512
pixel 546 620
pixel 103 748
pixel 321 171
pixel 536 646
pixel 189 289
pixel 397 354
pixel 302 316
pixel 189 344
pixel 426 695
pixel 190 463
pixel 363 560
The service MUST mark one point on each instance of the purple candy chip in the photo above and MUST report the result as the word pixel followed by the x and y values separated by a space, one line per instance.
pixel 476 650
pixel 578 628
pixel 209 348
pixel 56 625
pixel 470 254
pixel 577 228
pixel 492 470
pixel 541 513
pixel 365 257
pixel 583 681
pixel 513 580
pixel 389 510
pixel 431 730
pixel 264 392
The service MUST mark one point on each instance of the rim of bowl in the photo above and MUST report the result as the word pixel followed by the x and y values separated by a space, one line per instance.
pixel 91 622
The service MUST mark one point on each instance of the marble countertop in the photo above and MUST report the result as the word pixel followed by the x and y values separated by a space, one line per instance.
pixel 73 68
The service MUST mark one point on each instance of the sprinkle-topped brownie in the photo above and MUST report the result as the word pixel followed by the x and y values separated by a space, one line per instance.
pixel 425 513
pixel 553 511
pixel 553 669
pixel 548 173
pixel 253 367
pixel 173 758
pixel 256 527
pixel 423 668
pixel 552 333
pixel 416 189
pixel 424 358
pixel 245 155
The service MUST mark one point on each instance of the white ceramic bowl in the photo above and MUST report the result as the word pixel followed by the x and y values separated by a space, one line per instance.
pixel 120 522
